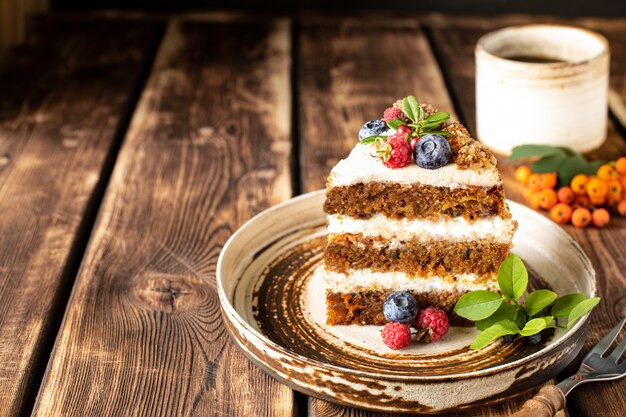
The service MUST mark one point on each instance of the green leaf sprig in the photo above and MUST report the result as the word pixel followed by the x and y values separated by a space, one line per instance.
pixel 498 315
pixel 419 124
pixel 566 162
pixel 422 125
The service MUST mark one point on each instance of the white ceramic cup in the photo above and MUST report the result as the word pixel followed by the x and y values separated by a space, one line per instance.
pixel 561 102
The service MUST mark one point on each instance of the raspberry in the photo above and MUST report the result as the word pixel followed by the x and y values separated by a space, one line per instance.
pixel 396 335
pixel 432 324
pixel 392 113
pixel 396 152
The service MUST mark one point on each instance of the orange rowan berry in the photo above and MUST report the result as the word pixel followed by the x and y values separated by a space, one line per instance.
pixel 622 180
pixel 561 213
pixel 600 217
pixel 597 188
pixel 615 190
pixel 581 217
pixel 606 172
pixel 597 201
pixel 534 182
pixel 549 180
pixel 566 195
pixel 535 200
pixel 581 200
pixel 620 165
pixel 548 198
pixel 621 208
pixel 522 174
pixel 579 184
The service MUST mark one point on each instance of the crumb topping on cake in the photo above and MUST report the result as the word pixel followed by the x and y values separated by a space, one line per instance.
pixel 467 152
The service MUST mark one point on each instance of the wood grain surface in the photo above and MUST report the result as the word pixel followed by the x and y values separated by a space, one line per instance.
pixel 64 97
pixel 208 147
pixel 605 247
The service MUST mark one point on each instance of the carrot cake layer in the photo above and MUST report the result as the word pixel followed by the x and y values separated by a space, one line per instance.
pixel 346 252
pixel 357 295
pixel 416 201
pixel 365 308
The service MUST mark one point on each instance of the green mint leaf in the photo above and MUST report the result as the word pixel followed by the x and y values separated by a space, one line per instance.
pixel 430 126
pixel 505 312
pixel 478 305
pixel 395 124
pixel 581 309
pixel 534 326
pixel 512 277
pixel 521 318
pixel 497 330
pixel 533 151
pixel 439 116
pixel 411 107
pixel 550 322
pixel 372 139
pixel 550 163
pixel 564 305
pixel 538 300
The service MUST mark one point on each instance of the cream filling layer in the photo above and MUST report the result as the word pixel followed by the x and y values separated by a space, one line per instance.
pixel 357 280
pixel 361 167
pixel 456 229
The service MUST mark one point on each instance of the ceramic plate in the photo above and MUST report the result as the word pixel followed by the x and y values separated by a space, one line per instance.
pixel 275 309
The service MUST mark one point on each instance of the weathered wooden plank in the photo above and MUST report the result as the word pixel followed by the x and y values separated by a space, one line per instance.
pixel 349 73
pixel 208 147
pixel 455 40
pixel 63 98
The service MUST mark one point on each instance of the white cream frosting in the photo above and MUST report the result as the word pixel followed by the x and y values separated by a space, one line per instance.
pixel 361 167
pixel 365 279
pixel 456 229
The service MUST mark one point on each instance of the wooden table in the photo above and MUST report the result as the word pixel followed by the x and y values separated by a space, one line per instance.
pixel 132 147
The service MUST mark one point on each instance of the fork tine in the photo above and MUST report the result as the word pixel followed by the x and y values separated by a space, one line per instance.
pixel 619 350
pixel 607 341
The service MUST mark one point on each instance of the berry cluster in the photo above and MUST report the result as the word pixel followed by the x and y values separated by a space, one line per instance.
pixel 402 312
pixel 586 200
pixel 406 132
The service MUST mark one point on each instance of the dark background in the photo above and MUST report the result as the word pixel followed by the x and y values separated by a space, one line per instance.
pixel 552 7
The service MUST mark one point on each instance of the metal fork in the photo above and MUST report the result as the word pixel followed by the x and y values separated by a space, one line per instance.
pixel 596 366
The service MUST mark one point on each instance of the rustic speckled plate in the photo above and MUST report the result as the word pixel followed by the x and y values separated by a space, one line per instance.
pixel 275 310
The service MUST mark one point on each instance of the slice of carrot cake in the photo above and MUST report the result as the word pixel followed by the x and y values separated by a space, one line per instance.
pixel 417 206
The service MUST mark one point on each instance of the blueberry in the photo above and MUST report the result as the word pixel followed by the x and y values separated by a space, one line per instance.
pixel 534 339
pixel 432 151
pixel 371 128
pixel 508 338
pixel 400 307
